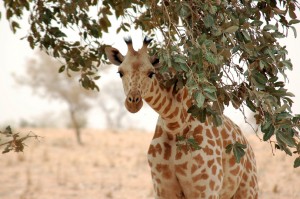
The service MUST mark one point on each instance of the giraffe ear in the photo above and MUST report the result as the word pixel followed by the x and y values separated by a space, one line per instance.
pixel 114 55
pixel 155 61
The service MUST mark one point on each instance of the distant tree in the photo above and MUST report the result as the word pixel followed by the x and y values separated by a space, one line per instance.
pixel 62 87
pixel 115 112
pixel 223 51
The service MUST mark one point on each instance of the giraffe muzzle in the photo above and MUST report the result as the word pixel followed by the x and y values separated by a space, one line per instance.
pixel 133 102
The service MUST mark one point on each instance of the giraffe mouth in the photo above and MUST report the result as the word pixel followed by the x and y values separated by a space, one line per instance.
pixel 133 106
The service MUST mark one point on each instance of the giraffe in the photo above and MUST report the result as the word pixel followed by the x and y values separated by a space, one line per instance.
pixel 183 172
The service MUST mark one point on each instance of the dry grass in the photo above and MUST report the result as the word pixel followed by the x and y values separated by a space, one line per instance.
pixel 112 165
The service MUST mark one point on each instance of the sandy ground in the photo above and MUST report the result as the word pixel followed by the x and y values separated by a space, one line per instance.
pixel 114 165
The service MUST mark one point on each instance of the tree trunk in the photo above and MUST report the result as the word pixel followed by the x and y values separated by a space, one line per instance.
pixel 76 126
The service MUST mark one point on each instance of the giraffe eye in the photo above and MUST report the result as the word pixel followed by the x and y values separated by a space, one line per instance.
pixel 120 73
pixel 150 74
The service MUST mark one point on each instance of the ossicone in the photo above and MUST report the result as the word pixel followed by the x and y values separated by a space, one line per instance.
pixel 147 40
pixel 128 40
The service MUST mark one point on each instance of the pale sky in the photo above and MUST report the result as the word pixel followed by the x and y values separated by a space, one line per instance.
pixel 19 102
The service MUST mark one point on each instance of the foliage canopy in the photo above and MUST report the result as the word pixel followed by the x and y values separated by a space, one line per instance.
pixel 224 51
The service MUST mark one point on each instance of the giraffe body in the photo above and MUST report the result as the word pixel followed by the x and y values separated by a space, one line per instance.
pixel 179 171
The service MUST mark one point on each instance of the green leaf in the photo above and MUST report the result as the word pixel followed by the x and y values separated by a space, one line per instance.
pixel 294 21
pixel 62 68
pixel 201 116
pixel 283 115
pixel 257 23
pixel 208 21
pixel 286 138
pixel 96 77
pixel 210 89
pixel 260 79
pixel 282 108
pixel 292 13
pixel 266 125
pixel 217 120
pixel 200 98
pixel 179 59
pixel 288 64
pixel 213 9
pixel 184 11
pixel 297 162
pixel 270 27
pixel 243 146
pixel 193 110
pixel 261 64
pixel 56 32
pixel 238 151
pixel 268 133
pixel 278 35
pixel 15 26
pixel 294 30
pixel 210 58
pixel 180 138
pixel 193 144
pixel 228 148
pixel 31 42
pixel 271 53
pixel 246 35
pixel 273 79
pixel 211 96
pixel 231 29
pixel 250 105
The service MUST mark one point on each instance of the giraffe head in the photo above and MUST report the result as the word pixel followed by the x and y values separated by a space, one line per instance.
pixel 137 70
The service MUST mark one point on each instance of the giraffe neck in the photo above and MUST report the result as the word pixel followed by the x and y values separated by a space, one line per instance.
pixel 171 107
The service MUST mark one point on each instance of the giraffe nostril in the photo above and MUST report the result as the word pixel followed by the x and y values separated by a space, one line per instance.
pixel 130 99
pixel 137 99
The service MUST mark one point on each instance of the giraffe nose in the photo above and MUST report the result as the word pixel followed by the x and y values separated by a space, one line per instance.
pixel 134 101
pixel 134 98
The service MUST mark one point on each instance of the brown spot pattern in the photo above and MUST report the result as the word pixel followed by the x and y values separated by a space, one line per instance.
pixel 173 114
pixel 224 134
pixel 209 134
pixel 215 131
pixel 178 155
pixel 199 159
pixel 185 131
pixel 210 163
pixel 167 107
pixel 208 151
pixel 158 132
pixel 212 185
pixel 157 99
pixel 235 171
pixel 194 168
pixel 148 99
pixel 164 170
pixel 178 97
pixel 181 168
pixel 168 151
pixel 173 125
